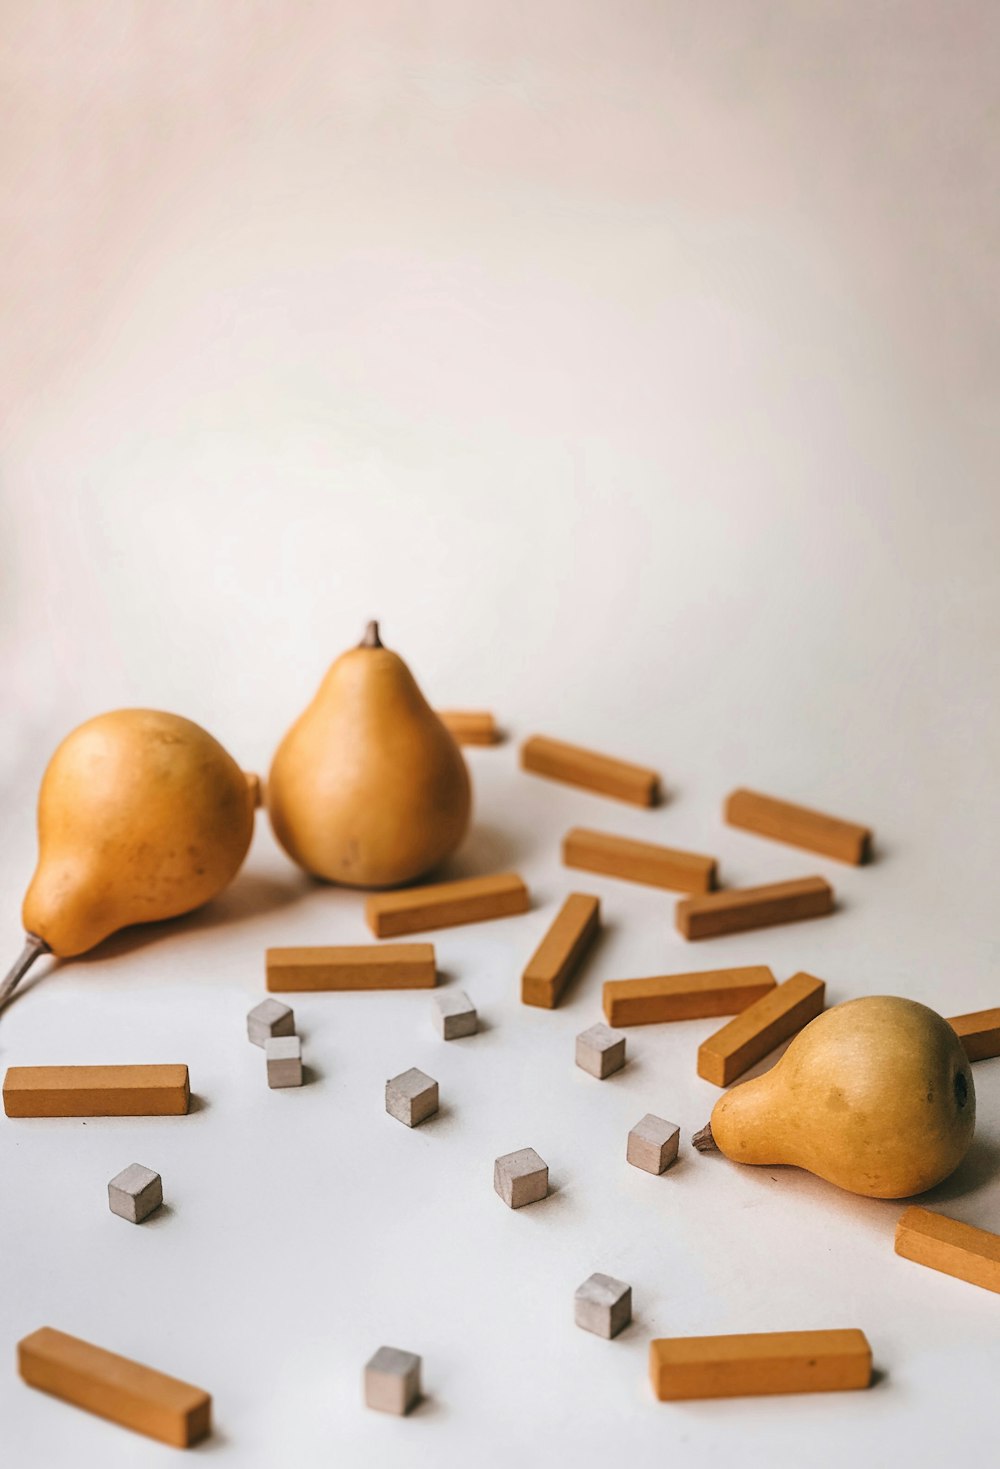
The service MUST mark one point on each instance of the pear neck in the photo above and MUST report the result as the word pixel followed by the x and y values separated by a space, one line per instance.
pixel 371 638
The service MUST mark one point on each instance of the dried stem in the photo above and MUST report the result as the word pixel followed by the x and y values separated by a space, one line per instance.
pixel 704 1142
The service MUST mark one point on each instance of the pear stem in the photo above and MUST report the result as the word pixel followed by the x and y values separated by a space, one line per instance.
pixel 704 1141
pixel 33 946
pixel 371 638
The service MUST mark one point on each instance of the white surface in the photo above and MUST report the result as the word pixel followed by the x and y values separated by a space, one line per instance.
pixel 637 366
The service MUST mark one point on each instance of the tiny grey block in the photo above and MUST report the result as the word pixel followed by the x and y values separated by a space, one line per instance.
pixel 284 1060
pixel 600 1050
pixel 411 1097
pixel 455 1015
pixel 392 1380
pixel 603 1305
pixel 135 1193
pixel 652 1144
pixel 521 1178
pixel 268 1019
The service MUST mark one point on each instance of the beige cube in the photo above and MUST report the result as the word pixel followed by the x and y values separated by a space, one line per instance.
pixel 392 1381
pixel 521 1178
pixel 600 1050
pixel 603 1305
pixel 411 1097
pixel 652 1144
pixel 134 1193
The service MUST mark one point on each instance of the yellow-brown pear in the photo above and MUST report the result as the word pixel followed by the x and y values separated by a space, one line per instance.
pixel 874 1095
pixel 368 787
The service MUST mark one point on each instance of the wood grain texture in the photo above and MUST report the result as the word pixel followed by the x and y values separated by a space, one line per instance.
pixel 759 1364
pixel 799 826
pixel 559 955
pixel 646 862
pixel 115 1387
pixel 947 1245
pixel 759 1028
pixel 685 996
pixel 736 909
pixel 352 967
pixel 444 904
pixel 979 1033
pixel 602 773
pixel 96 1091
pixel 470 726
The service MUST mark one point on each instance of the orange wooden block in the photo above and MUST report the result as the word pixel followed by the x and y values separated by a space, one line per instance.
pixel 685 996
pixel 96 1091
pixel 953 1248
pixel 558 956
pixel 759 1364
pixel 601 773
pixel 759 1028
pixel 800 827
pixel 115 1387
pixel 660 867
pixel 736 909
pixel 979 1033
pixel 443 904
pixel 352 967
pixel 470 726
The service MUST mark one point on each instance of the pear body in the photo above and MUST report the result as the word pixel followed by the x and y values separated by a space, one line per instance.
pixel 874 1095
pixel 368 788
pixel 141 816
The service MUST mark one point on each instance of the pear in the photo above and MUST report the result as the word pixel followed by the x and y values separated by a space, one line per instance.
pixel 368 788
pixel 874 1095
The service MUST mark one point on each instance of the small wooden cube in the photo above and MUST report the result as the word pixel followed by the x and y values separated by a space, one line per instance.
pixel 455 1015
pixel 284 1061
pixel 521 1178
pixel 134 1193
pixel 652 1144
pixel 603 1305
pixel 392 1381
pixel 600 1050
pixel 269 1019
pixel 411 1097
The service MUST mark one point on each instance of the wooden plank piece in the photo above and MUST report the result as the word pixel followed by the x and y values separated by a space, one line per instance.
pixel 759 1364
pixel 444 904
pixel 979 1033
pixel 947 1245
pixel 735 909
pixel 115 1387
pixel 470 726
pixel 659 867
pixel 594 772
pixel 799 826
pixel 685 996
pixel 352 967
pixel 96 1091
pixel 559 955
pixel 759 1028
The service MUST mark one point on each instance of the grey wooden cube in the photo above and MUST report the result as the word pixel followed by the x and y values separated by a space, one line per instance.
pixel 269 1019
pixel 652 1144
pixel 455 1015
pixel 134 1193
pixel 603 1305
pixel 411 1097
pixel 284 1060
pixel 521 1178
pixel 600 1050
pixel 392 1380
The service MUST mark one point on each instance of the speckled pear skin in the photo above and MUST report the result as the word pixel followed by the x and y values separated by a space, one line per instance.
pixel 875 1095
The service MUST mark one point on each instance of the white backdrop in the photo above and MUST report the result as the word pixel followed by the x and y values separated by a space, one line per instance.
pixel 636 365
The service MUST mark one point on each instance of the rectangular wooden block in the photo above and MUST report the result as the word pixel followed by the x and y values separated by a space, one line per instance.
pixel 352 967
pixel 759 1364
pixel 96 1091
pixel 558 956
pixel 470 726
pixel 660 867
pixel 759 1028
pixel 979 1033
pixel 115 1387
pixel 601 773
pixel 685 996
pixel 736 909
pixel 444 904
pixel 800 827
pixel 953 1248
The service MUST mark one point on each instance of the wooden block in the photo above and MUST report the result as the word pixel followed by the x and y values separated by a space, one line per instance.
pixel 561 951
pixel 392 1381
pixel 602 1305
pixel 799 827
pixel 945 1244
pixel 600 1051
pixel 444 904
pixel 736 909
pixel 411 1097
pixel 521 1178
pixel 685 996
pixel 652 1144
pixel 758 1364
pixel 979 1033
pixel 660 867
pixel 114 1387
pixel 96 1091
pixel 352 967
pixel 135 1193
pixel 283 1055
pixel 759 1028
pixel 455 1015
pixel 268 1019
pixel 601 773
pixel 470 726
